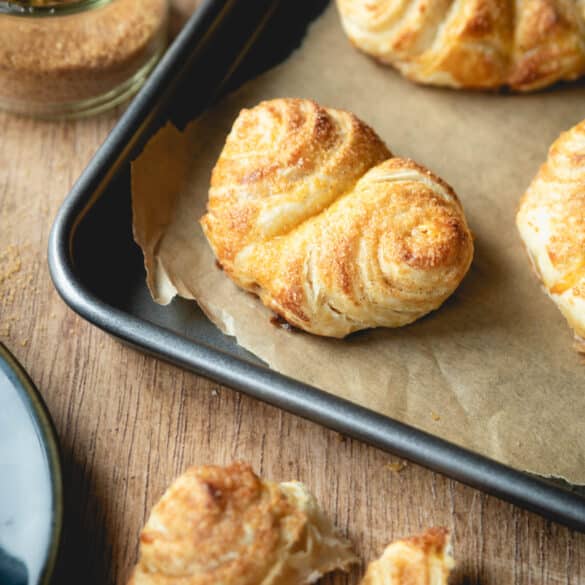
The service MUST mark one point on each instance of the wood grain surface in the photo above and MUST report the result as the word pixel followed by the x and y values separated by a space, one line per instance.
pixel 128 423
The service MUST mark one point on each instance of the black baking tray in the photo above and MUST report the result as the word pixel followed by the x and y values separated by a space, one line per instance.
pixel 91 247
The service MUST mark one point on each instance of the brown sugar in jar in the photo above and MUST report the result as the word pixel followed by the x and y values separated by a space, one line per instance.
pixel 75 57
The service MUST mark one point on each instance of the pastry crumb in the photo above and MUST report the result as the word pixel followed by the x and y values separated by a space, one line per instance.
pixel 396 466
pixel 435 416
pixel 286 532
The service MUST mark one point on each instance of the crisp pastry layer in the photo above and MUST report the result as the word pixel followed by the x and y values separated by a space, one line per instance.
pixel 310 211
pixel 226 525
pixel 482 44
pixel 420 560
pixel 551 221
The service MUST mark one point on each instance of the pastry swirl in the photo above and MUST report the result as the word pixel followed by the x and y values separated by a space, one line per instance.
pixel 551 222
pixel 226 525
pixel 283 162
pixel 329 234
pixel 481 44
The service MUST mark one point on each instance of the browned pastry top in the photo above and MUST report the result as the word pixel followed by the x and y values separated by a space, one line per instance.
pixel 284 161
pixel 551 221
pixel 526 44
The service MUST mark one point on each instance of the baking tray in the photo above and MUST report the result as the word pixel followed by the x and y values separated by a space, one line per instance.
pixel 98 270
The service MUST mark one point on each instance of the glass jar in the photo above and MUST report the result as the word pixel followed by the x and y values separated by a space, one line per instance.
pixel 76 57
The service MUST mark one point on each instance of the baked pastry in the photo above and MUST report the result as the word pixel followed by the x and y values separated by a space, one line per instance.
pixel 226 525
pixel 551 221
pixel 309 210
pixel 420 560
pixel 479 44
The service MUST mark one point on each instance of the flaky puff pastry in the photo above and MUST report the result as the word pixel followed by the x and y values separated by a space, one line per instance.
pixel 226 525
pixel 420 560
pixel 551 221
pixel 481 44
pixel 309 210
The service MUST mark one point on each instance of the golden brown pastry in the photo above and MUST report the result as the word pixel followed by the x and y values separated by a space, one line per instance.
pixel 420 560
pixel 226 525
pixel 551 221
pixel 309 210
pixel 481 44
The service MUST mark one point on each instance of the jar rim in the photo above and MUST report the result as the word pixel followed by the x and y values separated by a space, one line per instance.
pixel 47 8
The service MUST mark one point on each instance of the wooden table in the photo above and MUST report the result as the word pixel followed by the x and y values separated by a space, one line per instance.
pixel 128 423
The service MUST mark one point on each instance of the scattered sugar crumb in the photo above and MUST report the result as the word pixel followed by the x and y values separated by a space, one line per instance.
pixel 10 263
pixel 215 392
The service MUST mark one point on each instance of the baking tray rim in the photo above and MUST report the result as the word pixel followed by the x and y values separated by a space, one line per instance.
pixel 479 471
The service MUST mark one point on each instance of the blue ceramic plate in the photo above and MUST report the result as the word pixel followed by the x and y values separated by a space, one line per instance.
pixel 31 504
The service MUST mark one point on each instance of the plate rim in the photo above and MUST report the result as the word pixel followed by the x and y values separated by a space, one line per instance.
pixel 38 410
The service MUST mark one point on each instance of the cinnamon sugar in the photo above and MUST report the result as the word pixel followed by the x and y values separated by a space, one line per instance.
pixel 55 60
pixel 14 278
pixel 10 263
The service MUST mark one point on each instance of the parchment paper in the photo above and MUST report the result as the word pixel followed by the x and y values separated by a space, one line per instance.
pixel 494 369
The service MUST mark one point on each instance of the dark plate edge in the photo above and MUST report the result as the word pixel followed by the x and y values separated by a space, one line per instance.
pixel 40 412
pixel 476 470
